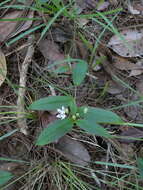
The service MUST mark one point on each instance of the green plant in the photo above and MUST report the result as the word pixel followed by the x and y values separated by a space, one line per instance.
pixel 140 167
pixel 5 177
pixel 87 118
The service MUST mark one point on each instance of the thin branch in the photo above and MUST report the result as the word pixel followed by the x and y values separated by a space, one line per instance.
pixel 22 123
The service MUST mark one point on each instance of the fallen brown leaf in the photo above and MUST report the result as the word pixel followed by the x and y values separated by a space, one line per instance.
pixel 114 88
pixel 134 112
pixel 12 28
pixel 135 8
pixel 128 44
pixel 129 133
pixel 73 151
pixel 139 86
pixel 122 63
pixel 24 25
pixel 50 50
pixel 7 27
pixel 61 35
pixel 103 5
pixel 51 53
pixel 46 118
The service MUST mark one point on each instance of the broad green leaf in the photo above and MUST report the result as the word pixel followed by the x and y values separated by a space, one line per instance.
pixel 99 115
pixel 54 131
pixel 81 111
pixel 73 107
pixel 92 128
pixel 79 72
pixel 62 69
pixel 140 166
pixel 4 177
pixel 51 103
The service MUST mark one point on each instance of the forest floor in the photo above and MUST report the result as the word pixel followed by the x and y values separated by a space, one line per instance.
pixel 41 42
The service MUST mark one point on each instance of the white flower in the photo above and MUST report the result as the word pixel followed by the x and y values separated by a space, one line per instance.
pixel 61 113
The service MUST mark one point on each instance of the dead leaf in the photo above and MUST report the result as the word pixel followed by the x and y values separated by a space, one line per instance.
pixel 103 5
pixel 134 112
pixel 114 88
pixel 139 86
pixel 122 63
pixel 128 148
pixel 51 53
pixel 25 25
pixel 135 8
pixel 131 132
pixel 113 2
pixel 46 118
pixel 3 67
pixel 73 150
pixel 7 27
pixel 80 5
pixel 50 50
pixel 137 71
pixel 128 44
pixel 12 28
pixel 61 35
pixel 90 3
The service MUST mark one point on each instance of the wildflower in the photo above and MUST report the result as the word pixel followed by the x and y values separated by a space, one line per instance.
pixel 62 113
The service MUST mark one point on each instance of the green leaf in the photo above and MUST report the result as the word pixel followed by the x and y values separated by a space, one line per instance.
pixel 99 115
pixel 54 131
pixel 51 103
pixel 92 128
pixel 73 107
pixel 5 177
pixel 79 72
pixel 81 111
pixel 140 166
pixel 62 69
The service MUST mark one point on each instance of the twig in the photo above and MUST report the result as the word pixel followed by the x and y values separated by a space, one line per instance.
pixel 53 93
pixel 22 124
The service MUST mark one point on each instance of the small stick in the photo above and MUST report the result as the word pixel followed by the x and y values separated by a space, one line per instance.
pixel 22 124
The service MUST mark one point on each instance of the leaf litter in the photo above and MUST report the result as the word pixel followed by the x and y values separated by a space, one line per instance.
pixel 10 28
pixel 73 151
pixel 54 47
pixel 124 64
pixel 135 8
pixel 128 43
